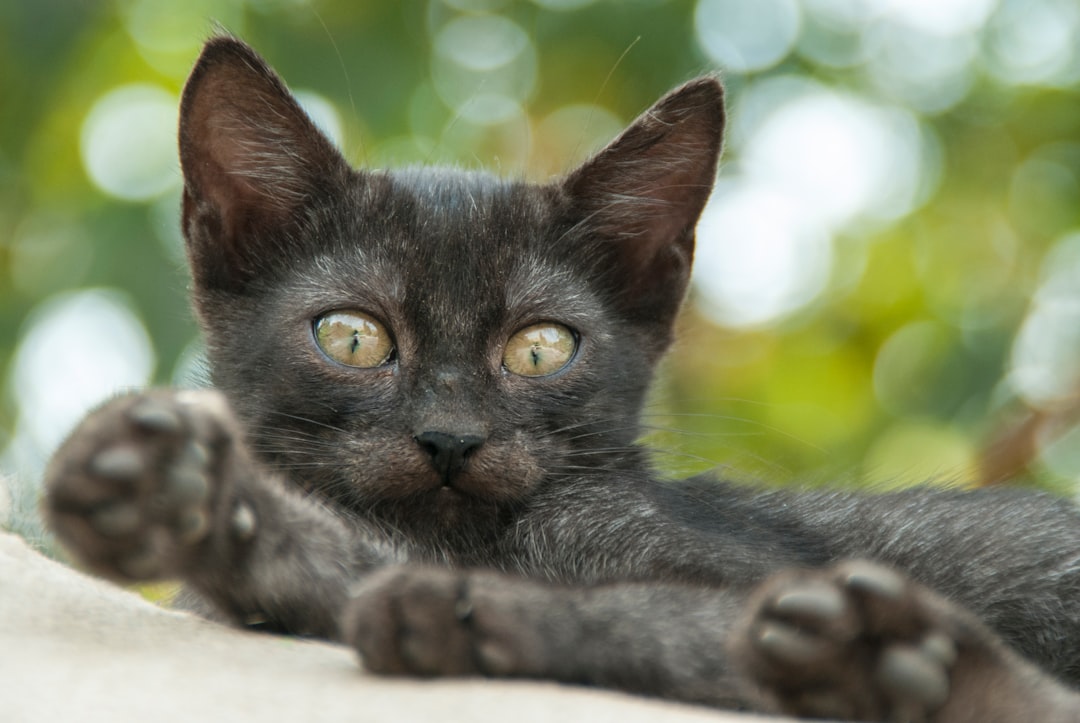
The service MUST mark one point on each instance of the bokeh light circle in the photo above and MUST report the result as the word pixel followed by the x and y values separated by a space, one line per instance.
pixel 128 142
pixel 742 36
pixel 80 348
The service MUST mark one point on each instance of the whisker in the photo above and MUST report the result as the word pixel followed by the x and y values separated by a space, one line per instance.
pixel 307 420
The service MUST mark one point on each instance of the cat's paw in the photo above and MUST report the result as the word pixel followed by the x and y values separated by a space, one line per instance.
pixel 135 491
pixel 412 620
pixel 854 642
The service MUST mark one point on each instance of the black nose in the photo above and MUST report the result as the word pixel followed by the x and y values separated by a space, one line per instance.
pixel 449 452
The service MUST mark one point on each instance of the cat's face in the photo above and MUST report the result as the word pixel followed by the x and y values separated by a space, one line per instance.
pixel 435 339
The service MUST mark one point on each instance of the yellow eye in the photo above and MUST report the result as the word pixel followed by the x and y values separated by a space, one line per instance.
pixel 539 350
pixel 353 339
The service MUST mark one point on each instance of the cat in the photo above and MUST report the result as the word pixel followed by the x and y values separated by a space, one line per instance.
pixel 421 442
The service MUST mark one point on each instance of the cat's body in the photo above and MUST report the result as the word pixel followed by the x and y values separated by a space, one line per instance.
pixel 425 445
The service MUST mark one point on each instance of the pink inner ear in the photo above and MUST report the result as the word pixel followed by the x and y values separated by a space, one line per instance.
pixel 246 146
pixel 254 168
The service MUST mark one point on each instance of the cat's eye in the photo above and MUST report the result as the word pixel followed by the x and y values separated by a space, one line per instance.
pixel 353 338
pixel 539 350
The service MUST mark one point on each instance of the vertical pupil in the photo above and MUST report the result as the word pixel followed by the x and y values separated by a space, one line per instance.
pixel 355 343
pixel 534 353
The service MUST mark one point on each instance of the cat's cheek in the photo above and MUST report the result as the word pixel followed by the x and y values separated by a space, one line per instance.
pixel 502 471
pixel 389 467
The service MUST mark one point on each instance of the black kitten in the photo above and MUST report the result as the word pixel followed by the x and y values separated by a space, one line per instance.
pixel 424 444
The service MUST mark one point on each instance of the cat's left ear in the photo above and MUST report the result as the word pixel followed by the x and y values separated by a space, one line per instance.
pixel 641 196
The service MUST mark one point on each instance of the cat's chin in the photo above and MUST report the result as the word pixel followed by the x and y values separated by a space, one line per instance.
pixel 447 508
pixel 450 504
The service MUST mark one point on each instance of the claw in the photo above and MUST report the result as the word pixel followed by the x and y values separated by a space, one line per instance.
pixel 243 522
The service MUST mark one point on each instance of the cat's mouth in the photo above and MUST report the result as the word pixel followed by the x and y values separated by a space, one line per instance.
pixel 449 497
pixel 397 471
pixel 451 507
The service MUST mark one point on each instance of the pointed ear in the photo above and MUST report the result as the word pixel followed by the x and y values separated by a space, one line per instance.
pixel 252 160
pixel 642 195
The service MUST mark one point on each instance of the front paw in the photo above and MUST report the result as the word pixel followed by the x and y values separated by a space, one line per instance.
pixel 136 491
pixel 439 622
pixel 854 642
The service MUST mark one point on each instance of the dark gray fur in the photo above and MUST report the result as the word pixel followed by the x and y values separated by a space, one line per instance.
pixel 556 552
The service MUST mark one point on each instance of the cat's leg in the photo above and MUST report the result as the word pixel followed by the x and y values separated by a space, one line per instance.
pixel 856 642
pixel 861 642
pixel 654 639
pixel 160 485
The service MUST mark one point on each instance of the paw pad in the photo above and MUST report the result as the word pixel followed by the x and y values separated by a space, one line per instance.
pixel 874 580
pixel 116 519
pixel 186 482
pixel 908 673
pixel 131 492
pixel 121 463
pixel 152 415
pixel 815 602
pixel 857 641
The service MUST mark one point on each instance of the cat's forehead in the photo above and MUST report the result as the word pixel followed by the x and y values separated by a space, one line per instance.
pixel 430 217
pixel 449 188
pixel 466 242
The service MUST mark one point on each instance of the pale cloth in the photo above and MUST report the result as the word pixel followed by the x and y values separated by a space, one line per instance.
pixel 73 648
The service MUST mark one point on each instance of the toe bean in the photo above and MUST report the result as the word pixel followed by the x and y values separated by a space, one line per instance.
pixel 120 463
pixel 789 645
pixel 154 415
pixel 116 519
pixel 910 674
pixel 874 580
pixel 815 602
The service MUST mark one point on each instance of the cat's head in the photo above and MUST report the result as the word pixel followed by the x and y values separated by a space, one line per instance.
pixel 433 337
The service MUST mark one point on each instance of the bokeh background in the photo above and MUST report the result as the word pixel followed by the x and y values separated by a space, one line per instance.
pixel 888 275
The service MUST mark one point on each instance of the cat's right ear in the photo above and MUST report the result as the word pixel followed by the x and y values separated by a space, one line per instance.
pixel 252 161
pixel 640 198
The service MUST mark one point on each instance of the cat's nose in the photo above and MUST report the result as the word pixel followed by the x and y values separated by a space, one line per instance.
pixel 449 452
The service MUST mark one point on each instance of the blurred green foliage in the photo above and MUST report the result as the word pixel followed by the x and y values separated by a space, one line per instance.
pixel 902 365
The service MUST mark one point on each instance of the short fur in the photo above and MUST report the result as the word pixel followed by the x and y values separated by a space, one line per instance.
pixel 303 499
